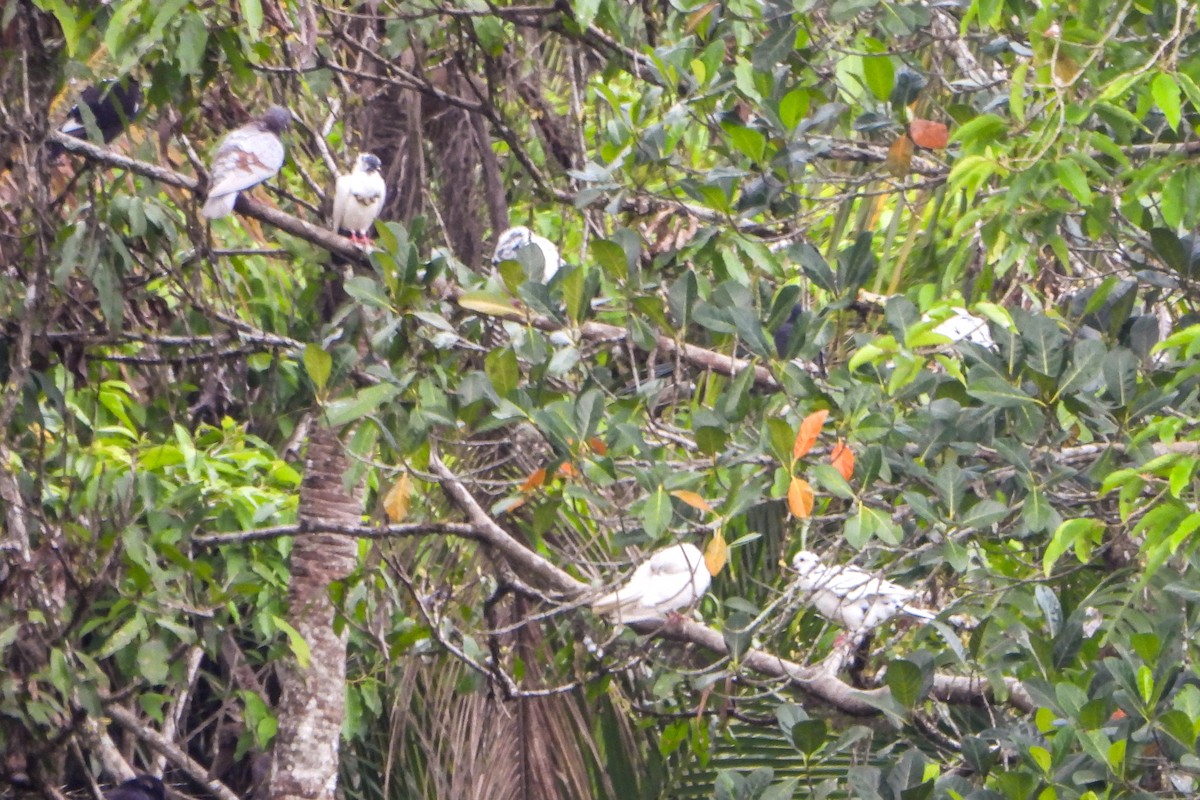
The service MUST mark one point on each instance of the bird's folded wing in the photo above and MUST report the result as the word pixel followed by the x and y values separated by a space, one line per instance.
pixel 247 157
pixel 341 194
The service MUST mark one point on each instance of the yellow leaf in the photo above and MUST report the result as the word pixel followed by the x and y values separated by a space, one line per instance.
pixel 716 554
pixel 810 429
pixel 800 498
pixel 492 305
pixel 395 503
pixel 842 458
pixel 692 499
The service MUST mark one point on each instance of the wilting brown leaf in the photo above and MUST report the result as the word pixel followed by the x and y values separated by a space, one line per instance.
pixel 899 157
pixel 928 134
pixel 810 429
pixel 842 458
pixel 598 446
pixel 396 501
pixel 800 498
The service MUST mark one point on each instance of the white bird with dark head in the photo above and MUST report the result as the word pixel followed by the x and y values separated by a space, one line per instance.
pixel 672 578
pixel 246 158
pixel 516 239
pixel 358 199
pixel 853 597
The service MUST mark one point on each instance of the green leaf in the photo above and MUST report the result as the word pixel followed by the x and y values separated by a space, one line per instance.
pixel 1165 92
pixel 1071 176
pixel 296 642
pixel 318 364
pixel 793 107
pixel 123 636
pixel 611 258
pixel 880 75
pixel 154 661
pixel 905 679
pixel 503 370
pixel 1068 533
pixel 656 513
pixel 366 401
pixel 585 11
pixel 252 13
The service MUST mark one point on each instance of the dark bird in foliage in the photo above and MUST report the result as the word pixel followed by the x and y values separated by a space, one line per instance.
pixel 358 198
pixel 783 333
pixel 110 106
pixel 516 239
pixel 246 158
pixel 143 787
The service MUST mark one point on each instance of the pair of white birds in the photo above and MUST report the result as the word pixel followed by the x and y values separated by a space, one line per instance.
pixel 254 152
pixel 678 576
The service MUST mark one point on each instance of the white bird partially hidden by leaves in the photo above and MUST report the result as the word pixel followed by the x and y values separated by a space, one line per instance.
pixel 358 198
pixel 671 579
pixel 516 239
pixel 247 157
pixel 852 597
pixel 963 326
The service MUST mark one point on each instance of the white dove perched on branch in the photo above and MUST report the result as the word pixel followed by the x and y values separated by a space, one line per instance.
pixel 673 578
pixel 357 199
pixel 515 239
pixel 853 597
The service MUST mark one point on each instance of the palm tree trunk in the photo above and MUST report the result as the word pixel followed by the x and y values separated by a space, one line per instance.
pixel 312 703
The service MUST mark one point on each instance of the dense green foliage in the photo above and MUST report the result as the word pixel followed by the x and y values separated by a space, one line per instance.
pixel 706 168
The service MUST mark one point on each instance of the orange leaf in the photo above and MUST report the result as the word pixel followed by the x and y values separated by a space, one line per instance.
pixel 395 503
pixel 899 157
pixel 928 134
pixel 842 458
pixel 810 429
pixel 598 446
pixel 716 554
pixel 800 498
pixel 692 499
pixel 535 480
pixel 567 470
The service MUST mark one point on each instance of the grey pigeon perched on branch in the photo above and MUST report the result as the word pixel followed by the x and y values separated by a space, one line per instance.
pixel 358 198
pixel 853 597
pixel 516 239
pixel 247 157
pixel 143 787
pixel 109 106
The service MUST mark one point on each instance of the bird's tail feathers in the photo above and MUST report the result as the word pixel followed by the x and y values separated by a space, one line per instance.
pixel 919 613
pixel 220 206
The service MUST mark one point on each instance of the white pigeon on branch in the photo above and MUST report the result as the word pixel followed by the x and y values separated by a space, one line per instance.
pixel 853 597
pixel 516 239
pixel 358 198
pixel 673 578
pixel 247 157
